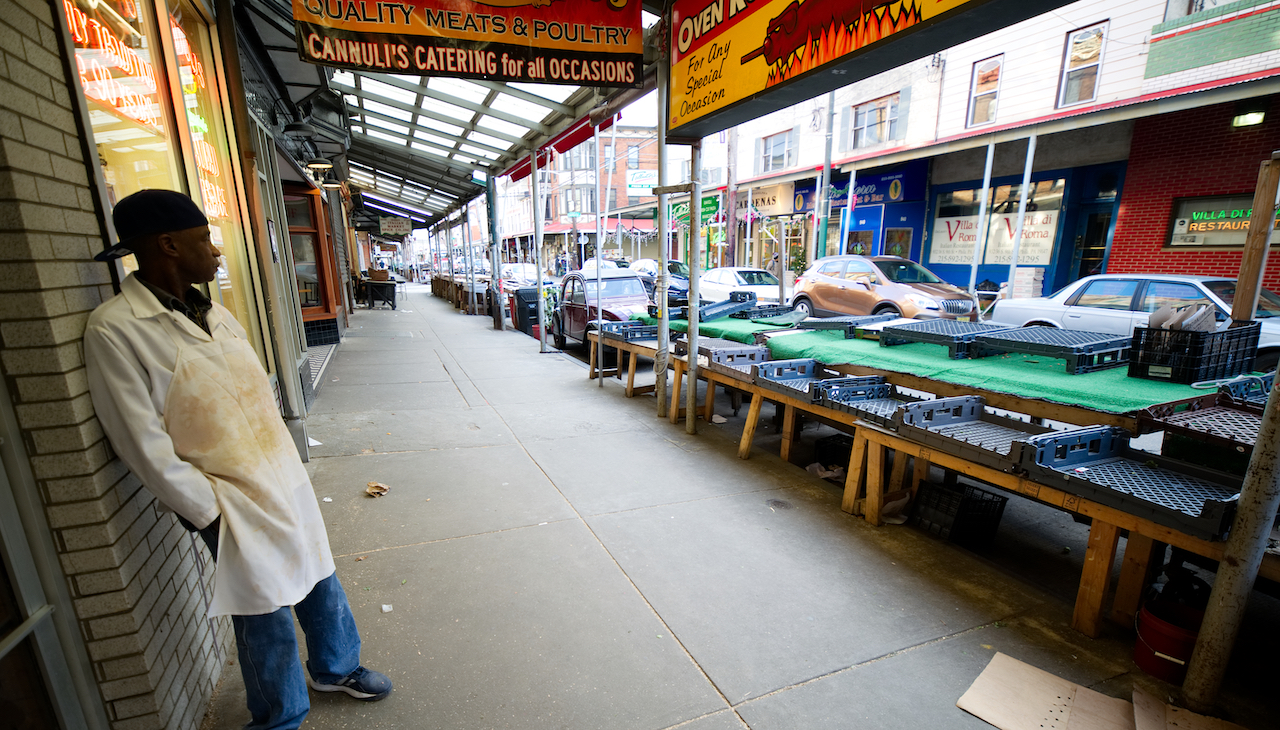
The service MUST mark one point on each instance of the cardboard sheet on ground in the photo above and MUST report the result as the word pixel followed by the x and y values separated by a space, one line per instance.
pixel 1013 695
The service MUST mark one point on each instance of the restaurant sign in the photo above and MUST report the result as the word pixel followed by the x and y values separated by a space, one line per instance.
pixel 953 239
pixel 595 43
pixel 680 211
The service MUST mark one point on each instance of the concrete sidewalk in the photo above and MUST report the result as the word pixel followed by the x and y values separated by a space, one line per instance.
pixel 555 556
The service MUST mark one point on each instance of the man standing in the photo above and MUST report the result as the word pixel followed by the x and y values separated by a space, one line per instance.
pixel 186 405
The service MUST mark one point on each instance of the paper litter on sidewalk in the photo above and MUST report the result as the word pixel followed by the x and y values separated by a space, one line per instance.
pixel 386 608
pixel 1013 695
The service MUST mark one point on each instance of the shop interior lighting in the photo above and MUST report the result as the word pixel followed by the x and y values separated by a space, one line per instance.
pixel 319 163
pixel 1249 113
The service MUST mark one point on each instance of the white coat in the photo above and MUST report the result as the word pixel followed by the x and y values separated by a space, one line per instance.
pixel 192 415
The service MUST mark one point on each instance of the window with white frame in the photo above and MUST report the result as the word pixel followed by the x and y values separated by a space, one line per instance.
pixel 581 199
pixel 777 152
pixel 984 89
pixel 1081 62
pixel 874 122
pixel 633 157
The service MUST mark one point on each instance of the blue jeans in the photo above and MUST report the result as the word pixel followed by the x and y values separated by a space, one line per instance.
pixel 268 649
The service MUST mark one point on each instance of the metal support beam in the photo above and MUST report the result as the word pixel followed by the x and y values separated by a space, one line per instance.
pixel 980 239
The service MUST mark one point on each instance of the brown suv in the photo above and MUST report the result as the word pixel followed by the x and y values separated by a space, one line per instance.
pixel 839 285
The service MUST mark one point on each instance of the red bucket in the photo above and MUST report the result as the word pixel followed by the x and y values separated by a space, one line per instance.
pixel 1165 642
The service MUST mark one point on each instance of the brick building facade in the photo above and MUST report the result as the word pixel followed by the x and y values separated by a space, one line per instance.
pixel 126 592
pixel 1187 154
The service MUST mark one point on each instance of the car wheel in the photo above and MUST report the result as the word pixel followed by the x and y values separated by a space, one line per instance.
pixel 803 305
pixel 558 333
pixel 887 309
pixel 1266 362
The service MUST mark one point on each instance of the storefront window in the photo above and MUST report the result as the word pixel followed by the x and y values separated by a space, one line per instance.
pixel 955 229
pixel 202 102
pixel 121 73
pixel 1211 222
pixel 303 235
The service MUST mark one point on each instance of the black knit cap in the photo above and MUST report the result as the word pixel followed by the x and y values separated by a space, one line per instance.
pixel 148 212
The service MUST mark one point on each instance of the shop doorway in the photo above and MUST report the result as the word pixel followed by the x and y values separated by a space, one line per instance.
pixel 1093 238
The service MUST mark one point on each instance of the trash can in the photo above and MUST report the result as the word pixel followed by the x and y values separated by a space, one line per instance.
pixel 525 314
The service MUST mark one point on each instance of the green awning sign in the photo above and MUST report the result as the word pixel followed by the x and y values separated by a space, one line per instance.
pixel 680 211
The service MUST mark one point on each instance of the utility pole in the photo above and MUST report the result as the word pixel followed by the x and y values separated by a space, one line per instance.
pixel 822 195
pixel 731 197
pixel 1260 493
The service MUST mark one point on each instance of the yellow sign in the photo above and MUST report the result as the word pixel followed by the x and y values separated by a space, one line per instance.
pixel 724 51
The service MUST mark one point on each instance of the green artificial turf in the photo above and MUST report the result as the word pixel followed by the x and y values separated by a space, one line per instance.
pixel 1029 376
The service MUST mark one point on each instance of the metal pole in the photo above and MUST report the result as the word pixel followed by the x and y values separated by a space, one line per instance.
pixel 1024 194
pixel 537 251
pixel 664 233
pixel 1260 493
pixel 595 133
pixel 453 283
pixel 822 195
pixel 980 236
pixel 491 193
pixel 695 249
pixel 469 258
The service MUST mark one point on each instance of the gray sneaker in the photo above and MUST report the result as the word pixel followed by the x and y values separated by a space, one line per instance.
pixel 362 684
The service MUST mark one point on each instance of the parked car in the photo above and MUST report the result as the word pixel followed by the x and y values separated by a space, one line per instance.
pixel 1117 303
pixel 843 285
pixel 622 295
pixel 591 264
pixel 718 284
pixel 677 278
pixel 515 276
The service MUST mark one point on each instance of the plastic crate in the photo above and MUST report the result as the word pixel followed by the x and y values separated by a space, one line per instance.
pixel 1180 356
pixel 833 450
pixel 963 514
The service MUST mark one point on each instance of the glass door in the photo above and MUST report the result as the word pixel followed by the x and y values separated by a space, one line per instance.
pixel 1093 237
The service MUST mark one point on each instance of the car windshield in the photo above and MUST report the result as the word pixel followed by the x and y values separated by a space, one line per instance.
pixel 906 272
pixel 678 267
pixel 1268 301
pixel 626 287
pixel 757 278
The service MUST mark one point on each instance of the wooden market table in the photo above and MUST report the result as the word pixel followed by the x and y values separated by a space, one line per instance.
pixel 633 350
pixel 868 457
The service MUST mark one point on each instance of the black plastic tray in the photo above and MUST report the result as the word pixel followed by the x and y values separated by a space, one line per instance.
pixel 763 310
pixel 954 334
pixel 1097 464
pixel 1084 352
pixel 797 378
pixel 872 403
pixel 1226 424
pixel 737 302
pixel 962 425
pixel 849 324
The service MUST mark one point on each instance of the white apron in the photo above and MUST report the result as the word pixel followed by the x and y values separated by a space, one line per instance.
pixel 223 419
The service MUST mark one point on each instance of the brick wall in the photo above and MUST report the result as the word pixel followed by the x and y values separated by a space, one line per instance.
pixel 1187 154
pixel 131 571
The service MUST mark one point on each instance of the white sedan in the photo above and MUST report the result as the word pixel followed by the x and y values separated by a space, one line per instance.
pixel 717 284
pixel 1119 302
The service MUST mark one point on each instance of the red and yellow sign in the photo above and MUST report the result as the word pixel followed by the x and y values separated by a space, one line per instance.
pixel 724 51
pixel 579 42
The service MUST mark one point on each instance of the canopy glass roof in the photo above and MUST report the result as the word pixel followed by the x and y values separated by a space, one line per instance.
pixel 416 142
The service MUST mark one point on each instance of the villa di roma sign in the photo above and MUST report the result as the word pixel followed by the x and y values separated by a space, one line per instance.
pixel 579 42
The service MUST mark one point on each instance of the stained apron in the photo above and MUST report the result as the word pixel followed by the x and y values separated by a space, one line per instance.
pixel 222 418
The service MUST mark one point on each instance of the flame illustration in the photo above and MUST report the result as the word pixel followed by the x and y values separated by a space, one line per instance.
pixel 839 40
